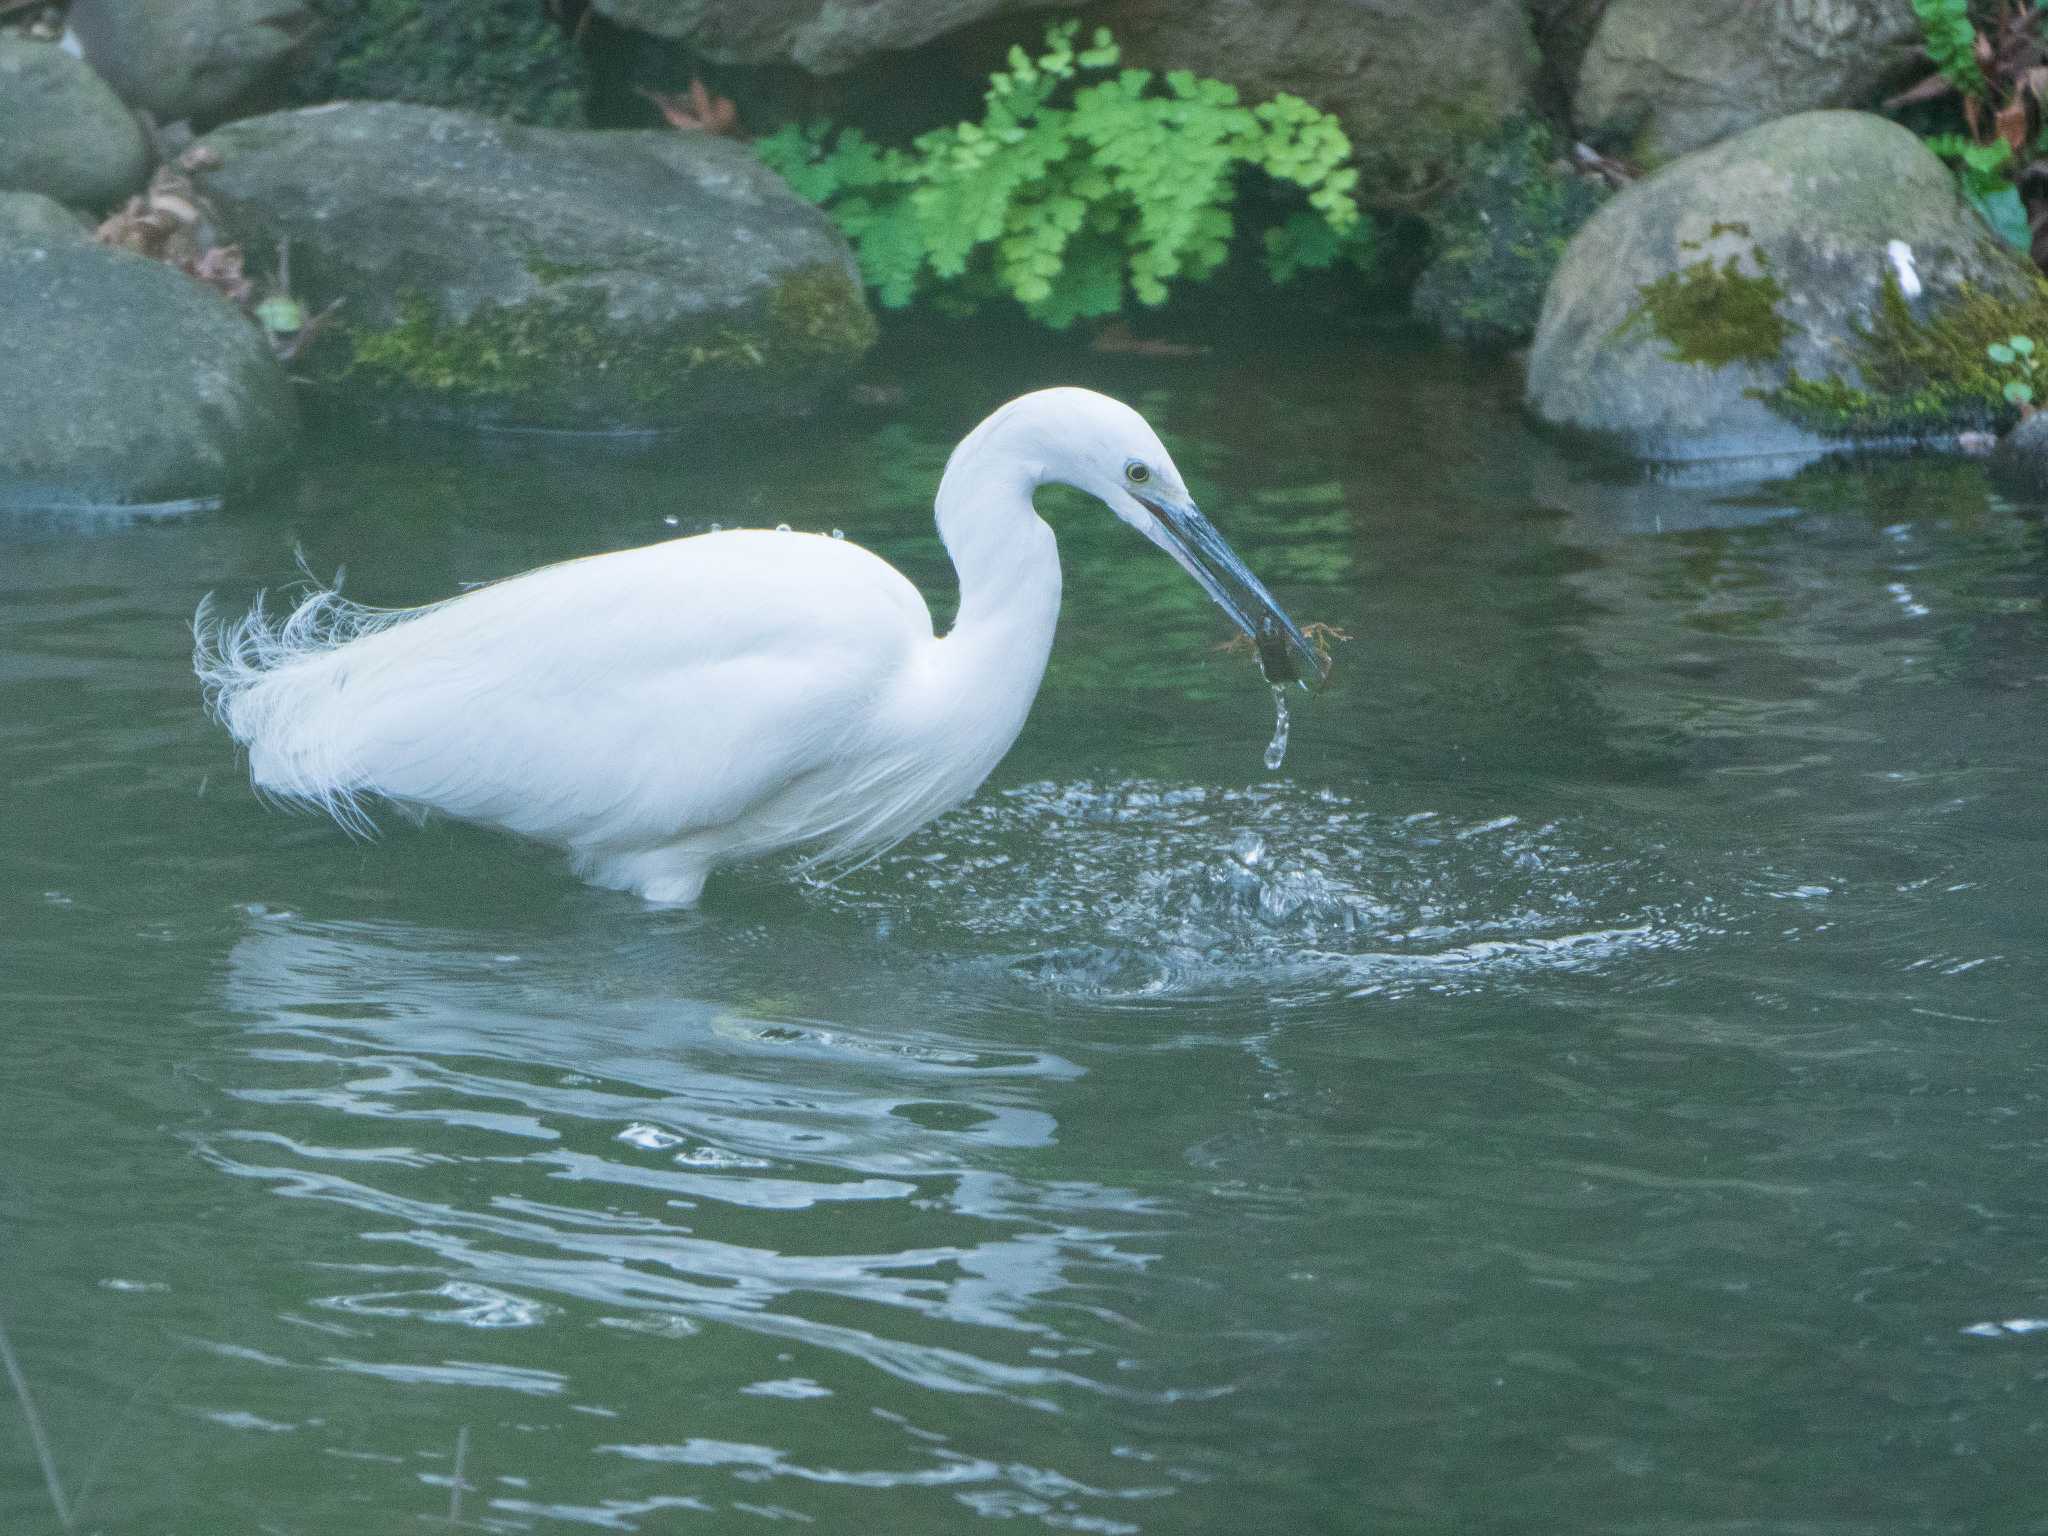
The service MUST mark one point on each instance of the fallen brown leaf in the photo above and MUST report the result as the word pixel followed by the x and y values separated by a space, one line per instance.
pixel 703 113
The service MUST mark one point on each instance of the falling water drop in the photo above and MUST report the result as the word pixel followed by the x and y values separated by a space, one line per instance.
pixel 1276 749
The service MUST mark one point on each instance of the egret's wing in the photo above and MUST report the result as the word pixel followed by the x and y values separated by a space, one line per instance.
pixel 623 698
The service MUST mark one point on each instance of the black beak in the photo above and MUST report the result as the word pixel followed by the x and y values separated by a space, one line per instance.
pixel 1285 654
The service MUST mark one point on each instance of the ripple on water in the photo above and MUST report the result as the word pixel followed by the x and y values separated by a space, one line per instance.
pixel 657 1165
pixel 1148 889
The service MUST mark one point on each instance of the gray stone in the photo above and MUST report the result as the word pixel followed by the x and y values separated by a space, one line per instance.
pixel 545 277
pixel 826 37
pixel 30 219
pixel 1413 81
pixel 188 59
pixel 1705 285
pixel 124 382
pixel 63 132
pixel 1663 77
pixel 2020 462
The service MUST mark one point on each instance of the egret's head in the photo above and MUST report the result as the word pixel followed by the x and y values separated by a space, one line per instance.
pixel 1099 445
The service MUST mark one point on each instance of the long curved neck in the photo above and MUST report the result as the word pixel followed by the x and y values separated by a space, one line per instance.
pixel 1008 562
pixel 1005 556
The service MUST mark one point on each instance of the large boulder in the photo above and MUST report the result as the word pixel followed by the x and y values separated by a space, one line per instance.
pixel 188 59
pixel 1663 77
pixel 1414 81
pixel 63 131
pixel 544 277
pixel 826 37
pixel 125 382
pixel 1723 306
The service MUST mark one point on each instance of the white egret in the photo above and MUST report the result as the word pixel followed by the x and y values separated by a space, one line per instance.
pixel 661 711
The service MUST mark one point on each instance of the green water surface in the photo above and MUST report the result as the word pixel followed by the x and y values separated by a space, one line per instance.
pixel 1596 1086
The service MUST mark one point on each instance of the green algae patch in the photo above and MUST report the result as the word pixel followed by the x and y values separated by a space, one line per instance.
pixel 565 359
pixel 1715 315
pixel 817 313
pixel 495 350
pixel 1919 376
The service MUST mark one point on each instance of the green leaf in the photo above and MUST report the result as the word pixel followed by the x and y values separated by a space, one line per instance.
pixel 2019 392
pixel 1951 42
pixel 2024 345
pixel 1999 352
pixel 281 315
pixel 2005 213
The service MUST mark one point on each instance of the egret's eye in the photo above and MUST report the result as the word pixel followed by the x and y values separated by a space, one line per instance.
pixel 1136 472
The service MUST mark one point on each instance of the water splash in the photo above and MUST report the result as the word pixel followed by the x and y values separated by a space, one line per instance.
pixel 1276 749
pixel 1143 889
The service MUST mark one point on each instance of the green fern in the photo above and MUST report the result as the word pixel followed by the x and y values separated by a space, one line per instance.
pixel 1081 186
pixel 1951 42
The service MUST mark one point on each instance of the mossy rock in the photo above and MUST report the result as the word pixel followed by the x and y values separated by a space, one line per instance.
pixel 506 275
pixel 1501 235
pixel 1706 310
pixel 502 57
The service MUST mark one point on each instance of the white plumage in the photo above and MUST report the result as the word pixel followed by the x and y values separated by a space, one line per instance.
pixel 661 711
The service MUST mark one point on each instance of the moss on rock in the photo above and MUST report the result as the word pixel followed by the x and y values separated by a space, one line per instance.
pixel 817 314
pixel 1716 315
pixel 502 57
pixel 1919 376
pixel 557 357
pixel 1501 235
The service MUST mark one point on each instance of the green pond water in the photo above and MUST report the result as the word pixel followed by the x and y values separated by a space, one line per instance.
pixel 1595 1086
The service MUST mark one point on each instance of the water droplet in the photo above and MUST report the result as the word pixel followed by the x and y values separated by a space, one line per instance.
pixel 718 527
pixel 672 520
pixel 1276 749
pixel 838 533
pixel 782 527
